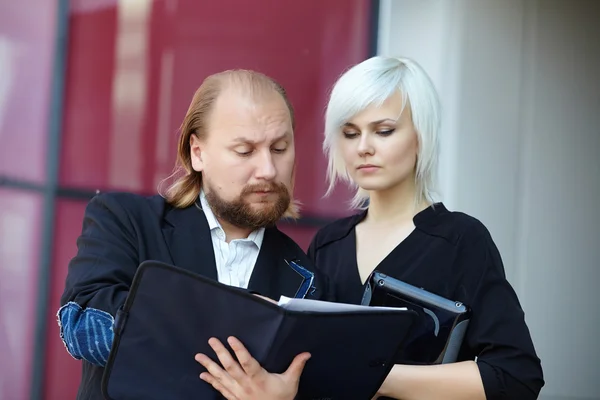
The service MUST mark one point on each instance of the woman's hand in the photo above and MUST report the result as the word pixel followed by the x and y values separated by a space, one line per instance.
pixel 248 380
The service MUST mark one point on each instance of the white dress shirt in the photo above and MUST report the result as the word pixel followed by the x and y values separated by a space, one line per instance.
pixel 235 260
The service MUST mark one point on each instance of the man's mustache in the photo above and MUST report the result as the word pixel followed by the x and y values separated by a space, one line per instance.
pixel 272 187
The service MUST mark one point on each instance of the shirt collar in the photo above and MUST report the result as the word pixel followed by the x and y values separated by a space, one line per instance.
pixel 214 225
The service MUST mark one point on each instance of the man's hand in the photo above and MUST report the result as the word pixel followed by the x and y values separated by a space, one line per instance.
pixel 248 380
pixel 266 298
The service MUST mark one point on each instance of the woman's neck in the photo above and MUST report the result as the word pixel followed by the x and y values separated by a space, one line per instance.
pixel 394 205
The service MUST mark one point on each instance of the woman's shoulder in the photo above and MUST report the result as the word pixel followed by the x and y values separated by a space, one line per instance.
pixel 436 221
pixel 456 227
pixel 336 230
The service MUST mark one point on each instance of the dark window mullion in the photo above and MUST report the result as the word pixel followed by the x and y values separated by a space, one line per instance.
pixel 49 207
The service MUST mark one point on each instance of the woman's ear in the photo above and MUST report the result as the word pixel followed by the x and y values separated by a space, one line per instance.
pixel 196 147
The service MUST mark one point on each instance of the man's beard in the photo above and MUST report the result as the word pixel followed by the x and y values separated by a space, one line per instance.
pixel 240 213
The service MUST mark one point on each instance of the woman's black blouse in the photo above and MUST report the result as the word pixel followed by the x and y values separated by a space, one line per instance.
pixel 453 255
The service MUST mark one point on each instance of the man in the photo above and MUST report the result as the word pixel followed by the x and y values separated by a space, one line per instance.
pixel 236 158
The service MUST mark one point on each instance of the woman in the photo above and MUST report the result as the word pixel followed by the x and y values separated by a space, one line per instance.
pixel 382 125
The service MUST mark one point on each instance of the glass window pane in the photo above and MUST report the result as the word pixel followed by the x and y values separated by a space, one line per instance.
pixel 20 232
pixel 26 57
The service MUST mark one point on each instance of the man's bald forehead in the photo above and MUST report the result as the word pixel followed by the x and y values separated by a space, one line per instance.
pixel 253 85
pixel 248 83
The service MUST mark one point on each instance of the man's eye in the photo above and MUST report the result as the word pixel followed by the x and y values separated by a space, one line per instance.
pixel 243 153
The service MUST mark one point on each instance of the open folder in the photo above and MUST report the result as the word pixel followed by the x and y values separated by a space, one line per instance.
pixel 170 314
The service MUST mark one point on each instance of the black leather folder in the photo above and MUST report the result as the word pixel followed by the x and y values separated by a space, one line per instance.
pixel 439 329
pixel 170 314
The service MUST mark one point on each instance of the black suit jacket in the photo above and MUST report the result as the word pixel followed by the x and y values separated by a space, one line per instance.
pixel 121 230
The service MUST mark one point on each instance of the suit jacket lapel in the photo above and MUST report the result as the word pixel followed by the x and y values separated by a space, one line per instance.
pixel 272 275
pixel 187 235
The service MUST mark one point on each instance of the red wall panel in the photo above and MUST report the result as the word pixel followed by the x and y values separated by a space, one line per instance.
pixel 85 151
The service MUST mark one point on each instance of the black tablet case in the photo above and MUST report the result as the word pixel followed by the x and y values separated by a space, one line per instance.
pixel 440 327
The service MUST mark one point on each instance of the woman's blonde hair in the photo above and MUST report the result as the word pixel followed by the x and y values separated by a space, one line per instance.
pixel 371 82
pixel 185 189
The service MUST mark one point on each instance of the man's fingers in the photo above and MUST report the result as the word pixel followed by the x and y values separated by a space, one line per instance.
pixel 297 366
pixel 266 298
pixel 215 369
pixel 227 361
pixel 208 378
pixel 248 363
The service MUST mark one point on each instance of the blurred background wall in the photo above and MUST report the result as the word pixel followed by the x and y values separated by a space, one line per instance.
pixel 521 152
pixel 92 93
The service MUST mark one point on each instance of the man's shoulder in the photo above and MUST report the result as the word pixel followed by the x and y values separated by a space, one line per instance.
pixel 288 248
pixel 284 241
pixel 126 204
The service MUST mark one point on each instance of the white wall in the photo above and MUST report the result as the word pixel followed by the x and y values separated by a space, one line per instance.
pixel 521 152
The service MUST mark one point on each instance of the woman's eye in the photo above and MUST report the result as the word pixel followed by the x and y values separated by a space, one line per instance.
pixel 385 132
pixel 275 150
pixel 244 153
pixel 350 135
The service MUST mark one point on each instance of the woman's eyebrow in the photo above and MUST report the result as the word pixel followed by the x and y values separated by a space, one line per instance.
pixel 379 121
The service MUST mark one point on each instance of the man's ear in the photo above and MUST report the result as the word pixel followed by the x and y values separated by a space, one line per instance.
pixel 196 148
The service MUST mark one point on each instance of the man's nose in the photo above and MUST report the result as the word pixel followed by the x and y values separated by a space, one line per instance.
pixel 266 167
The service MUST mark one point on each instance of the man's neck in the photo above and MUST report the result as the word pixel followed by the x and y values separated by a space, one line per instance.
pixel 233 232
